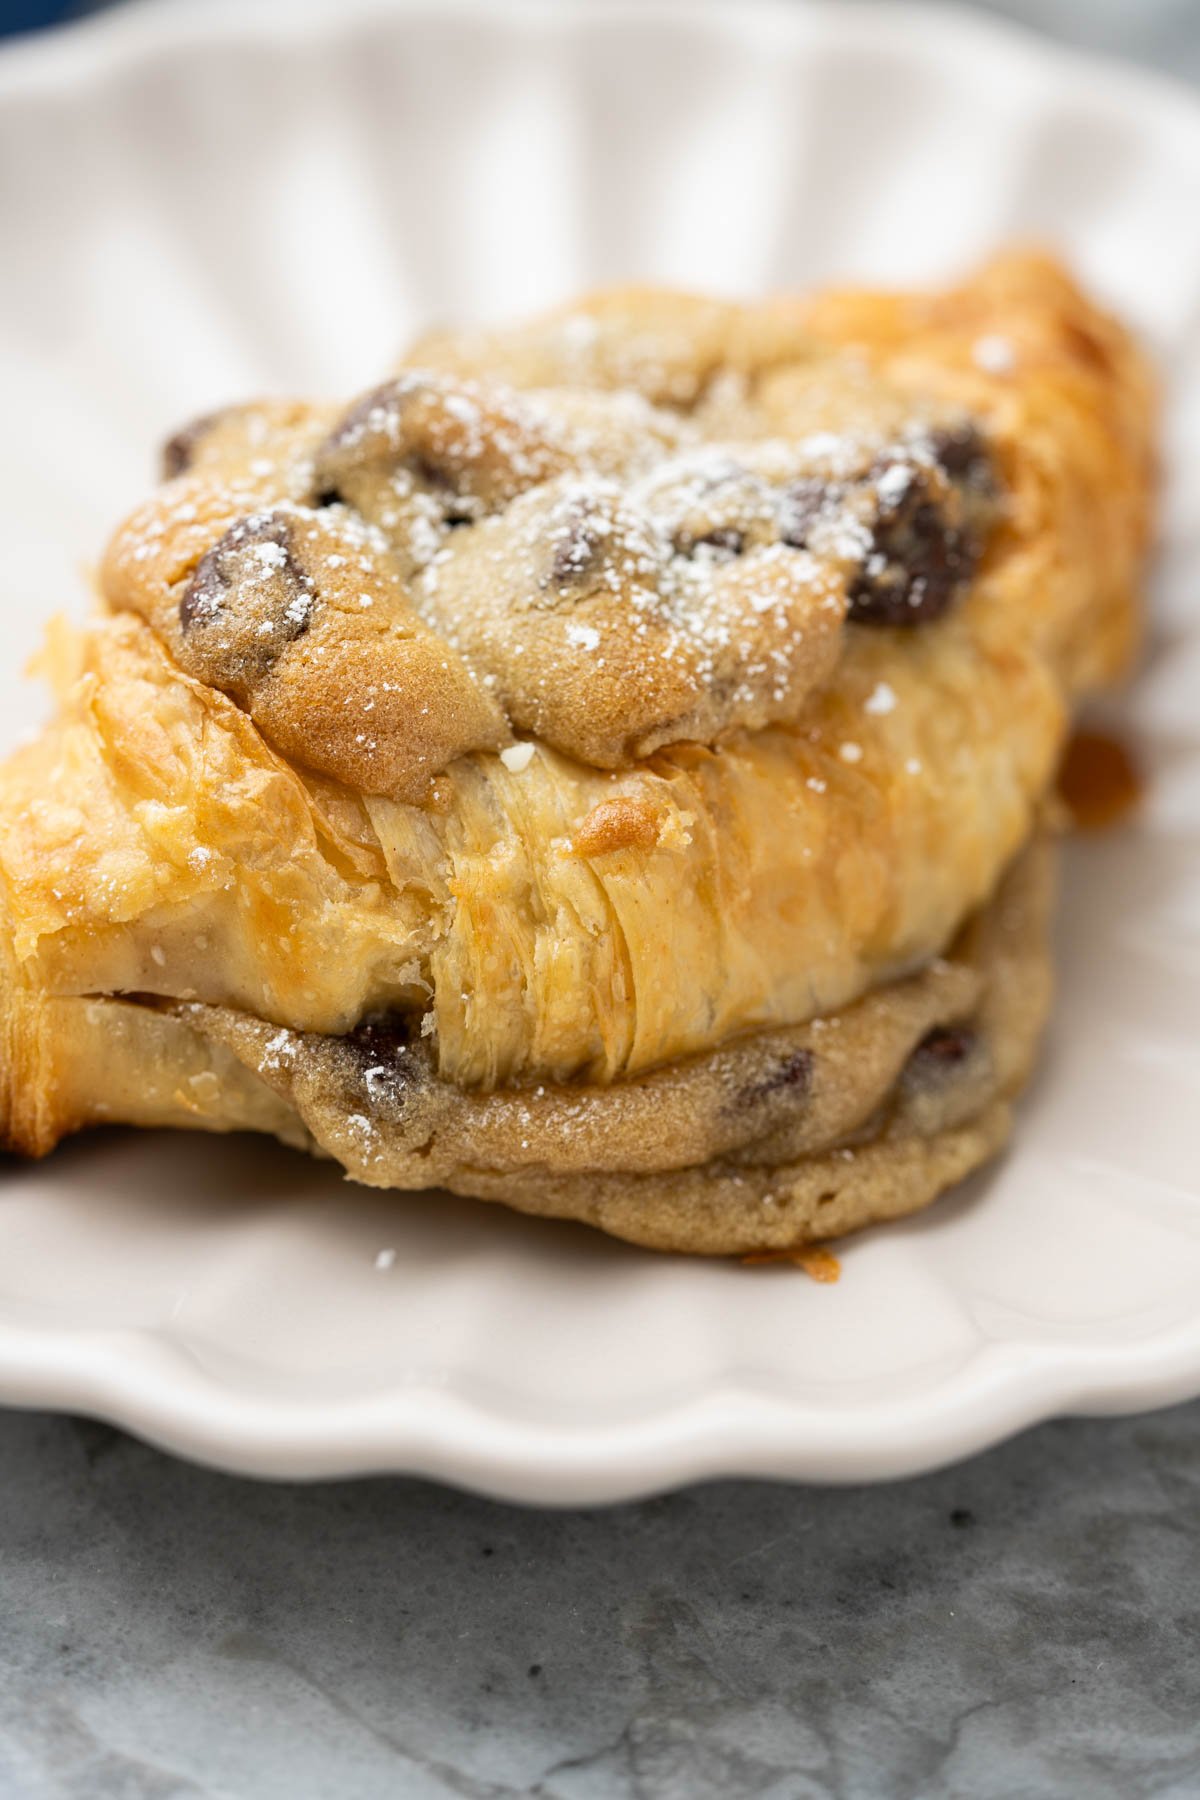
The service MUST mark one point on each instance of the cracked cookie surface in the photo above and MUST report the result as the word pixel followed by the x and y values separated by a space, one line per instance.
pixel 646 554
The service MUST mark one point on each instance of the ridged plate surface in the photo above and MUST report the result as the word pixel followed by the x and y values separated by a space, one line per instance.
pixel 196 203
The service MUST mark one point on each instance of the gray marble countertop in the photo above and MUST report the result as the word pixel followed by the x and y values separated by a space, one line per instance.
pixel 1026 1625
pixel 1023 1627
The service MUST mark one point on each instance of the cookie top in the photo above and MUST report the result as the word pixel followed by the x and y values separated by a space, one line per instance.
pixel 642 521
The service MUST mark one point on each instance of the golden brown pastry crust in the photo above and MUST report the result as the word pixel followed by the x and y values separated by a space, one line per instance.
pixel 595 695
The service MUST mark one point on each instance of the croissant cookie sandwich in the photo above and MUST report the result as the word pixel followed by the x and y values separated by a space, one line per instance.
pixel 605 768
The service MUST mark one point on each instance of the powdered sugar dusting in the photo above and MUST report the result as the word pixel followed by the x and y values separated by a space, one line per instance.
pixel 517 757
pixel 711 561
pixel 635 553
pixel 994 354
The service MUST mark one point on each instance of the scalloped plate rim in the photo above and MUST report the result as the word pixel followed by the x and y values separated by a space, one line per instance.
pixel 145 1382
pixel 102 43
pixel 437 1434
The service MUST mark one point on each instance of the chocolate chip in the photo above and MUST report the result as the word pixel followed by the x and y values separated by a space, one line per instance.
pixel 374 419
pixel 371 438
pixel 472 457
pixel 792 1073
pixel 179 452
pixel 961 451
pixel 935 507
pixel 385 1064
pixel 403 425
pixel 945 1047
pixel 578 542
pixel 917 561
pixel 204 596
pixel 247 600
pixel 912 572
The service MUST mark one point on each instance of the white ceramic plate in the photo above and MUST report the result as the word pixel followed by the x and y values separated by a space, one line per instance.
pixel 195 204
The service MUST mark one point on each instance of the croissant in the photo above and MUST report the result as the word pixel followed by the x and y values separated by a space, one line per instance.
pixel 607 768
